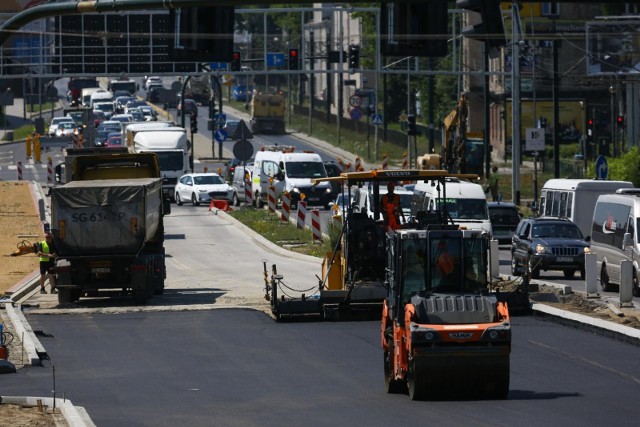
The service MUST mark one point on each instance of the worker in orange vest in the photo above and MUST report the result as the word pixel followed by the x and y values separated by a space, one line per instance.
pixel 391 209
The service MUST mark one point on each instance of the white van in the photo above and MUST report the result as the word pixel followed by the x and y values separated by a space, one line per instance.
pixel 170 144
pixel 465 202
pixel 575 199
pixel 614 236
pixel 85 95
pixel 100 96
pixel 292 172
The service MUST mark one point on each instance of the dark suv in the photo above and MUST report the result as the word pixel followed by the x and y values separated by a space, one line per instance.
pixel 548 244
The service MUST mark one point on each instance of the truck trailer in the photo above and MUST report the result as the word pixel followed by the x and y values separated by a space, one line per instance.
pixel 109 234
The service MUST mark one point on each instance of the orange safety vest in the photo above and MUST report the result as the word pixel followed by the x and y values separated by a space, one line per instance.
pixel 391 207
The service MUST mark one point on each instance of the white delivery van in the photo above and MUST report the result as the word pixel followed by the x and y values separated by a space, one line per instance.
pixel 170 144
pixel 85 95
pixel 130 129
pixel 614 236
pixel 292 172
pixel 100 96
pixel 466 202
pixel 575 199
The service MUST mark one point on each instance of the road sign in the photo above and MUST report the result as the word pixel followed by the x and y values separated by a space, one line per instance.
pixel 275 59
pixel 221 119
pixel 403 117
pixel 534 140
pixel 220 135
pixel 243 150
pixel 356 113
pixel 242 132
pixel 355 101
pixel 602 169
pixel 218 65
pixel 377 119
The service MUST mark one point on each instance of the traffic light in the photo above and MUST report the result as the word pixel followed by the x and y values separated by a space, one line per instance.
pixel 293 59
pixel 236 61
pixel 490 29
pixel 590 128
pixel 354 56
pixel 194 123
pixel 620 121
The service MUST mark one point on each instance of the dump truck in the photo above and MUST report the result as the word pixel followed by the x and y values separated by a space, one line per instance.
pixel 108 227
pixel 267 114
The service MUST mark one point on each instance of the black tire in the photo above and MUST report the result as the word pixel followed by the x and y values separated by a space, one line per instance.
pixel 235 200
pixel 392 386
pixel 515 270
pixel 64 296
pixel 568 274
pixel 533 270
pixel 500 386
pixel 76 294
pixel 259 202
pixel 194 200
pixel 414 386
pixel 583 275
pixel 178 200
pixel 604 279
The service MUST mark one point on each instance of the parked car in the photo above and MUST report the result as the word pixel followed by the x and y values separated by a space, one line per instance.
pixel 202 188
pixel 548 244
pixel 505 218
pixel 238 182
pixel 53 127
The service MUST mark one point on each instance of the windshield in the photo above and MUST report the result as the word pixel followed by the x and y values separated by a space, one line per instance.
pixel 457 264
pixel 504 216
pixel 208 180
pixel 567 230
pixel 305 170
pixel 170 160
pixel 470 209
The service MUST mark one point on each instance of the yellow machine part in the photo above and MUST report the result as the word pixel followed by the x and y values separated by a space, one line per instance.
pixel 335 281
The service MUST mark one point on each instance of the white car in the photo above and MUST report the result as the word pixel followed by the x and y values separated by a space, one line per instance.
pixel 202 188
pixel 67 129
pixel 152 80
pixel 53 127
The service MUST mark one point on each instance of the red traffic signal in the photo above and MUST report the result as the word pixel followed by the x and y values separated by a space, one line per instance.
pixel 236 60
pixel 620 120
pixel 590 122
pixel 294 63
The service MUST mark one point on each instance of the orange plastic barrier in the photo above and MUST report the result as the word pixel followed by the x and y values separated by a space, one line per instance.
pixel 222 205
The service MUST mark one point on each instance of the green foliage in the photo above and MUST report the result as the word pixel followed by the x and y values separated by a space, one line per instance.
pixel 623 168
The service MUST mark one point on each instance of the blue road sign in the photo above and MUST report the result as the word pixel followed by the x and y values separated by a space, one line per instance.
pixel 377 119
pixel 602 169
pixel 220 135
pixel 275 59
pixel 220 119
pixel 355 113
pixel 219 65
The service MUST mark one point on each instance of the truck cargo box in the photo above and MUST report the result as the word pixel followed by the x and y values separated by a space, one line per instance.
pixel 105 217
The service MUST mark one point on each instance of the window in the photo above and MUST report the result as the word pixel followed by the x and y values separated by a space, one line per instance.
pixel 550 8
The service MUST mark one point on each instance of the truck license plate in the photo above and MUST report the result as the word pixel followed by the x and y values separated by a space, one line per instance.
pixel 100 270
pixel 565 259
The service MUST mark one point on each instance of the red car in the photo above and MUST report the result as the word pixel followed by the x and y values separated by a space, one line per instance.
pixel 113 141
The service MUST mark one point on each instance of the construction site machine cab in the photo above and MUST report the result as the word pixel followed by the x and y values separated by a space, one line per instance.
pixel 444 334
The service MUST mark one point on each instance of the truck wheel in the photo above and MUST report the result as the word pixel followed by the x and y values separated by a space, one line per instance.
pixel 515 270
pixel 392 386
pixel 64 296
pixel 568 274
pixel 178 200
pixel 194 200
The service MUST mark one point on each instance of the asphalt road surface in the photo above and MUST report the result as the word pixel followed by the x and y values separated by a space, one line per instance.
pixel 240 368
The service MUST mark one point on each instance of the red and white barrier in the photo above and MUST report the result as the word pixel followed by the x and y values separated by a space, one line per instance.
pixel 19 171
pixel 302 214
pixel 315 225
pixel 286 206
pixel 385 162
pixel 49 170
pixel 405 161
pixel 271 198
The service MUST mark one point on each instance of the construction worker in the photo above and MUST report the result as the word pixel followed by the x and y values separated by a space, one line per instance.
pixel 47 254
pixel 391 209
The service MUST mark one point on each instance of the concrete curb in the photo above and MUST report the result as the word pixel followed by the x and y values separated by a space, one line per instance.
pixel 32 346
pixel 75 416
pixel 598 326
